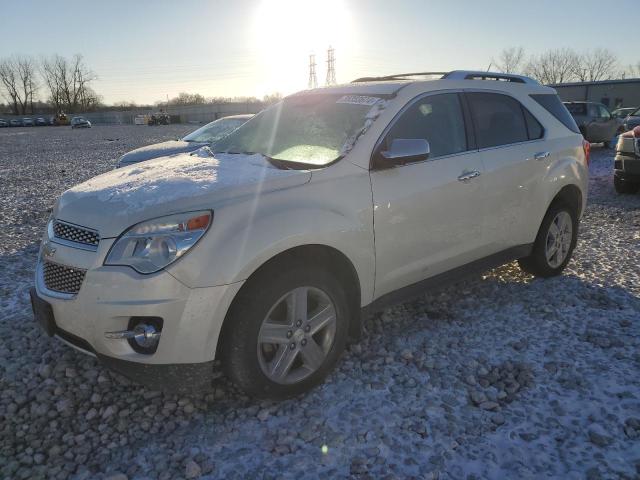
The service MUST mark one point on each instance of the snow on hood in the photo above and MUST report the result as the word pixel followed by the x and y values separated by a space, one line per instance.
pixel 120 198
pixel 158 150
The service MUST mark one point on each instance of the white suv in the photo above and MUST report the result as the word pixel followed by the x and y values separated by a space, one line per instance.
pixel 265 251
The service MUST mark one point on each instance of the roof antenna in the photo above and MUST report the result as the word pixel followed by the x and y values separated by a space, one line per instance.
pixel 489 67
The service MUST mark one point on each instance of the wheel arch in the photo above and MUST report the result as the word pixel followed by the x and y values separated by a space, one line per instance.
pixel 312 255
pixel 570 195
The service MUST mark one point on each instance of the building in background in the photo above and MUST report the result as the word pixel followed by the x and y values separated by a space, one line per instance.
pixel 613 93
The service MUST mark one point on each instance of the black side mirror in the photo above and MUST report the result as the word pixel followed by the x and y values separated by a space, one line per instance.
pixel 403 151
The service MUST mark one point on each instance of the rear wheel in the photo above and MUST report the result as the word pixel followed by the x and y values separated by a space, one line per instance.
pixel 285 332
pixel 623 186
pixel 554 244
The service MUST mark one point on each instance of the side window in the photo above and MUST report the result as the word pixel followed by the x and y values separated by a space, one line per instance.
pixel 436 118
pixel 498 119
pixel 604 113
pixel 594 111
pixel 534 129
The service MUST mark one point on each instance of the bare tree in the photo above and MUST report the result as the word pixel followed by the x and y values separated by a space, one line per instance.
pixel 19 84
pixel 598 64
pixel 511 60
pixel 9 80
pixel 185 98
pixel 554 66
pixel 68 82
pixel 631 71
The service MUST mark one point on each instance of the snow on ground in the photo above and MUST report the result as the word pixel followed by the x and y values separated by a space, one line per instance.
pixel 501 376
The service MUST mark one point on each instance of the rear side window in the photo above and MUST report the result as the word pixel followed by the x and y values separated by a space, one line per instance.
pixel 499 119
pixel 534 128
pixel 576 108
pixel 554 106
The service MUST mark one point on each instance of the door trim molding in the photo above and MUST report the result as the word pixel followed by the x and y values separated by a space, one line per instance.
pixel 446 278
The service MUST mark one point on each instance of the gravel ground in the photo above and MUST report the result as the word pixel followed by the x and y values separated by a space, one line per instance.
pixel 501 376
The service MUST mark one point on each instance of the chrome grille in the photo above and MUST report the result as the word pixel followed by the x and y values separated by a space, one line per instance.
pixel 61 278
pixel 73 233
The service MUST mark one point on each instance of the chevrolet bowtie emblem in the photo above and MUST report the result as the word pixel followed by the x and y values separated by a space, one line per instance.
pixel 48 251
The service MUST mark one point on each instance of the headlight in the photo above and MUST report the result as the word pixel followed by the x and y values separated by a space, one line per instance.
pixel 152 245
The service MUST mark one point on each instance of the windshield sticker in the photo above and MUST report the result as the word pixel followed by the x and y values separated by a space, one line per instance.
pixel 358 100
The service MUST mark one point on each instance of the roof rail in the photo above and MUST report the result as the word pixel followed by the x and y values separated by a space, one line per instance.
pixel 479 75
pixel 399 76
pixel 454 75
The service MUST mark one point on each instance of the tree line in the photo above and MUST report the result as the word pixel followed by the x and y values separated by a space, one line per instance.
pixel 66 81
pixel 564 65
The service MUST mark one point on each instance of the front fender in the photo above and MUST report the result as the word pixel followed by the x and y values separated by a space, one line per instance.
pixel 245 235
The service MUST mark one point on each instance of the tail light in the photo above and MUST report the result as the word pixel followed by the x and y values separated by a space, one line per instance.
pixel 586 146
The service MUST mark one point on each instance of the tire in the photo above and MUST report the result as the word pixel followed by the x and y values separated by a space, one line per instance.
pixel 252 364
pixel 538 263
pixel 624 187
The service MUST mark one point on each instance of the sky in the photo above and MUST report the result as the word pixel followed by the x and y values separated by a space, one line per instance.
pixel 145 50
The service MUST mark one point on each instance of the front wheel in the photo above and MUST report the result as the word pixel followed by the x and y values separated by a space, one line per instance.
pixel 285 332
pixel 554 244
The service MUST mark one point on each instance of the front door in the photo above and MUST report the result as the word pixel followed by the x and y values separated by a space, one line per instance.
pixel 427 214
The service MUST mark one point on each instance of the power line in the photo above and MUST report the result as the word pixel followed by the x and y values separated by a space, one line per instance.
pixel 331 66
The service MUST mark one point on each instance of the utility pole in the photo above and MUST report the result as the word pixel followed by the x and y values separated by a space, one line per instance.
pixel 313 80
pixel 331 66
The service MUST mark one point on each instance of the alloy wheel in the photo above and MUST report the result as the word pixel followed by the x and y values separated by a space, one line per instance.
pixel 559 238
pixel 296 335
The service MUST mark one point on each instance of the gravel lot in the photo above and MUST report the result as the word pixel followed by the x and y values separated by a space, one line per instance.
pixel 501 376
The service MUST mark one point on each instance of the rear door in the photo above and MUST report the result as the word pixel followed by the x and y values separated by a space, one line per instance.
pixel 427 217
pixel 515 157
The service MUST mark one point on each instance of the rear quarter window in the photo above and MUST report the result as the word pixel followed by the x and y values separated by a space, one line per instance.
pixel 555 107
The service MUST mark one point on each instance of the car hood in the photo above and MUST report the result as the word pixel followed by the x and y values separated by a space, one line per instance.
pixel 114 201
pixel 157 150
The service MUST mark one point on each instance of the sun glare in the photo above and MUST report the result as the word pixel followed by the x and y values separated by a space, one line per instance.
pixel 285 32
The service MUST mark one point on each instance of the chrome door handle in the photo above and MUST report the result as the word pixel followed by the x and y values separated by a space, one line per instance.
pixel 465 177
pixel 541 155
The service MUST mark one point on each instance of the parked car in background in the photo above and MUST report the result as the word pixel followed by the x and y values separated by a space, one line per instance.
pixel 595 122
pixel 205 135
pixel 626 166
pixel 80 122
pixel 622 113
pixel 261 252
pixel 41 122
pixel 632 121
pixel 15 122
pixel 27 122
pixel 3 123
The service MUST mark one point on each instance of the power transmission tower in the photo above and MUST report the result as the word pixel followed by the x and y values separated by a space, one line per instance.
pixel 313 80
pixel 331 66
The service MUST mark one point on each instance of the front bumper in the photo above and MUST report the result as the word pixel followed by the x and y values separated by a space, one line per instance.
pixel 110 296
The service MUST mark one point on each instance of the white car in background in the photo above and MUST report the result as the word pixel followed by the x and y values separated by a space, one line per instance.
pixel 265 251
pixel 205 135
pixel 80 122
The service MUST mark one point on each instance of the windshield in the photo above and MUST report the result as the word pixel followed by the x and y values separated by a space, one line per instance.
pixel 313 129
pixel 214 131
pixel 636 113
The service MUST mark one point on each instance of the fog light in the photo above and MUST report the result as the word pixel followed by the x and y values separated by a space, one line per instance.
pixel 146 335
pixel 143 334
